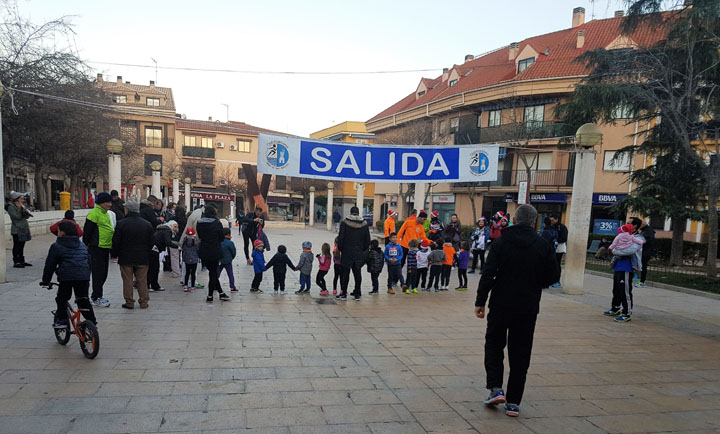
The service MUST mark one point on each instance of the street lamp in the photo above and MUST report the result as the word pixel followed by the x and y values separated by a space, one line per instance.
pixel 312 206
pixel 329 206
pixel 114 147
pixel 156 166
pixel 587 137
pixel 176 186
pixel 188 181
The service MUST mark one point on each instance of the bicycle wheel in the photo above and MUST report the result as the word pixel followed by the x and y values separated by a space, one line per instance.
pixel 91 346
pixel 62 335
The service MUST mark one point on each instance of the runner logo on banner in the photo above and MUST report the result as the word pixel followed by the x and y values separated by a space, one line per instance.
pixel 305 158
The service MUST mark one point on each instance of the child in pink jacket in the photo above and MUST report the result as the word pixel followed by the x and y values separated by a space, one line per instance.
pixel 325 260
pixel 626 244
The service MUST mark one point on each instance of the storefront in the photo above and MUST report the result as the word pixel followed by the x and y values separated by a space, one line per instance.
pixel 546 204
pixel 444 204
pixel 225 203
pixel 493 204
pixel 602 216
pixel 284 207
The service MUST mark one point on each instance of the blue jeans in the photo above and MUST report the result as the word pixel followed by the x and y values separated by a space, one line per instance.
pixel 304 280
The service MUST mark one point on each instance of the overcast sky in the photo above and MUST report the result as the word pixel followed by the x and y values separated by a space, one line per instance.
pixel 283 35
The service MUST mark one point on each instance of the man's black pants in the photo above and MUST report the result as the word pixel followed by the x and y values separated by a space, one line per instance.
pixel 645 262
pixel 99 261
pixel 404 258
pixel 247 240
pixel 65 291
pixel 558 258
pixel 345 279
pixel 516 331
pixel 278 280
pixel 153 271
pixel 622 291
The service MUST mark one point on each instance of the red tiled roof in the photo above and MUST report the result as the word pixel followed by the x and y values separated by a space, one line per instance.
pixel 495 68
pixel 231 127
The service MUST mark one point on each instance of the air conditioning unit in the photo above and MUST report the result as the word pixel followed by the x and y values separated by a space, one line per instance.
pixel 223 182
pixel 233 148
pixel 219 145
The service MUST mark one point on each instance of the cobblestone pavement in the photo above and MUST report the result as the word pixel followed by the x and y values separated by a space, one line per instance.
pixel 387 364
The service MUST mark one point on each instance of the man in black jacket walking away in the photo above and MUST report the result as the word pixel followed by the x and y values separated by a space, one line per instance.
pixel 353 243
pixel 132 242
pixel 520 264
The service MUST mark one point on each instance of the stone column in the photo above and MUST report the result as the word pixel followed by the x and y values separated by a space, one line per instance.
pixel 156 184
pixel 188 200
pixel 360 197
pixel 176 190
pixel 420 195
pixel 330 207
pixel 312 206
pixel 114 172
pixel 573 276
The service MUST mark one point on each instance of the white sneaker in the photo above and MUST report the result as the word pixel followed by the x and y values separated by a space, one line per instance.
pixel 276 292
pixel 101 302
pixel 282 293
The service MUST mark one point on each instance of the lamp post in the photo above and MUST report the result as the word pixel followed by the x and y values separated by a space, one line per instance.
pixel 114 147
pixel 156 166
pixel 188 181
pixel 587 137
pixel 176 187
pixel 312 206
pixel 360 196
pixel 330 207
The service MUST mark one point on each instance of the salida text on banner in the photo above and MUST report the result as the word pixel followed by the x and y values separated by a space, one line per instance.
pixel 306 158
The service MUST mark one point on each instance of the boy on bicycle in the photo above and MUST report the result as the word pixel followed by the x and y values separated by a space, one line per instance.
pixel 69 258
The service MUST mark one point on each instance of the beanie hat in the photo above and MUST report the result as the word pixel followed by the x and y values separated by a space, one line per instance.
pixel 114 193
pixel 258 243
pixel 354 211
pixel 392 213
pixel 306 245
pixel 190 231
pixel 103 198
pixel 627 228
pixel 132 206
pixel 422 214
pixel 435 213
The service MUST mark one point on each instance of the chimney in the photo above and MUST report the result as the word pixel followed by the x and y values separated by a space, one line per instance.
pixel 619 14
pixel 119 79
pixel 578 17
pixel 514 50
pixel 210 118
pixel 580 39
pixel 152 83
pixel 99 78
pixel 469 57
pixel 445 73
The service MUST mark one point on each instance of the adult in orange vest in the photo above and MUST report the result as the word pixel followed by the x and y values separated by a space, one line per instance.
pixel 389 226
pixel 412 229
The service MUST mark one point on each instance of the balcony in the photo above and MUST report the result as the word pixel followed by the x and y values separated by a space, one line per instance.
pixel 150 142
pixel 197 152
pixel 514 132
pixel 538 178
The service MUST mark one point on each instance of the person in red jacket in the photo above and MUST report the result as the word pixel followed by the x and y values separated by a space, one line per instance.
pixel 69 217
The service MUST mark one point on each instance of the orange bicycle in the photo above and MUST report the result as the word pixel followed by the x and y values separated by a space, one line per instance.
pixel 86 331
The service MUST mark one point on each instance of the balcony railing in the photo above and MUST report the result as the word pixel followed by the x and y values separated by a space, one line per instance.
pixel 515 132
pixel 538 178
pixel 197 152
pixel 151 142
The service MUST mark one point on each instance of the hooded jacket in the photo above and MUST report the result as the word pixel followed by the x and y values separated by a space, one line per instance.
pixel 69 258
pixel 228 251
pixel 98 230
pixel 19 219
pixel 132 240
pixel 210 232
pixel 353 241
pixel 190 250
pixel 305 263
pixel 375 261
pixel 280 262
pixel 163 238
pixel 519 266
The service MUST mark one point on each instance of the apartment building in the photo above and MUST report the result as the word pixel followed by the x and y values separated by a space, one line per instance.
pixel 508 97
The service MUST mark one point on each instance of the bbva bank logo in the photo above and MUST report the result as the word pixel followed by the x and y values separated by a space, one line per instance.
pixel 277 154
pixel 479 163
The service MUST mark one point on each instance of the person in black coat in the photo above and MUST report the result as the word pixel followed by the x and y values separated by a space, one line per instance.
pixel 210 231
pixel 69 258
pixel 561 248
pixel 648 250
pixel 519 266
pixel 118 206
pixel 251 224
pixel 132 245
pixel 148 213
pixel 279 263
pixel 353 243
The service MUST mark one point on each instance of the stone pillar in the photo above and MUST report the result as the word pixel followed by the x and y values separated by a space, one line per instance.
pixel 420 195
pixel 176 190
pixel 330 206
pixel 188 200
pixel 156 184
pixel 360 197
pixel 114 172
pixel 573 276
pixel 147 192
pixel 312 206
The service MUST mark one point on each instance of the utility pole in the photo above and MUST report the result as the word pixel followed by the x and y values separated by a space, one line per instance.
pixel 227 112
pixel 155 62
pixel 3 265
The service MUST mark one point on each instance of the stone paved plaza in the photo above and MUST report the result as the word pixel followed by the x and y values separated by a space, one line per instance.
pixel 387 364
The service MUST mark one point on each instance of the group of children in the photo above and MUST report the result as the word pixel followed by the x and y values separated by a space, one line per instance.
pixel 420 257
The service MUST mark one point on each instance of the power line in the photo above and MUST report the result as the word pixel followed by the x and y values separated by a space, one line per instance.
pixel 251 71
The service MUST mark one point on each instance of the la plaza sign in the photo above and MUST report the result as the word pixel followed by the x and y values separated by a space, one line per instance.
pixel 210 196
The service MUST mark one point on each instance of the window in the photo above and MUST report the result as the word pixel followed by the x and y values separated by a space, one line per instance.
pixel 206 142
pixel 190 171
pixel 453 82
pixel 149 158
pixel 243 145
pixel 479 120
pixel 280 183
pixel 120 99
pixel 525 64
pixel 621 163
pixel 623 112
pixel 208 177
pixel 494 118
pixel 443 127
pixel 190 141
pixel 534 116
pixel 241 173
pixel 421 93
pixel 153 137
pixel 454 124
pixel 153 102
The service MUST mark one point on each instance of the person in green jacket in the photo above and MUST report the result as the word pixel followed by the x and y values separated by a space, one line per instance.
pixel 19 229
pixel 97 236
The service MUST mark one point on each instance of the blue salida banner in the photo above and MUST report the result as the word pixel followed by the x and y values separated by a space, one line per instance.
pixel 306 158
